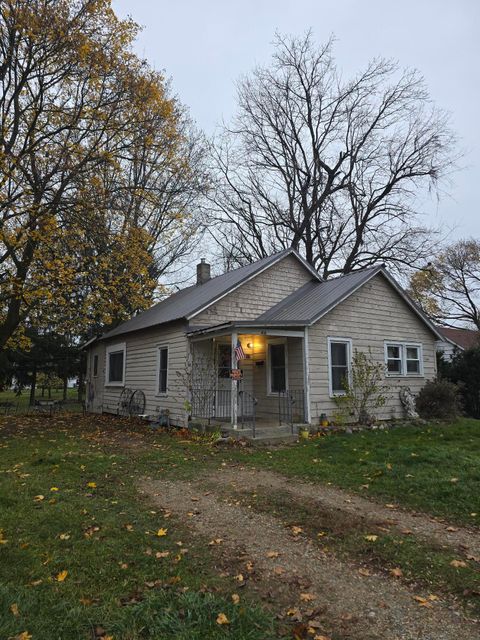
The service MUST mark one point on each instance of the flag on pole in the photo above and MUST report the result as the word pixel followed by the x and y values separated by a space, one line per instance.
pixel 239 352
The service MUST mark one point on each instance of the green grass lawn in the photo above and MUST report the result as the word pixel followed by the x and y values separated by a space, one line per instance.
pixel 80 551
pixel 435 468
pixel 22 402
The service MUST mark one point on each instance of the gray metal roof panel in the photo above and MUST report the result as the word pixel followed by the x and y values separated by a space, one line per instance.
pixel 186 302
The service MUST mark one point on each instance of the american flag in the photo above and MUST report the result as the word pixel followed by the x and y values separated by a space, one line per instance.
pixel 239 352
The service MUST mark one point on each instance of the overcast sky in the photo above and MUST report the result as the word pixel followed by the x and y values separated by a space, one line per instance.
pixel 205 45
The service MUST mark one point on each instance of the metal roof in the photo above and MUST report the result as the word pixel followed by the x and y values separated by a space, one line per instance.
pixel 189 301
pixel 314 299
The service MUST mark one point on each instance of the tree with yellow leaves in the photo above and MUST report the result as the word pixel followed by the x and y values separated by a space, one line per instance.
pixel 96 168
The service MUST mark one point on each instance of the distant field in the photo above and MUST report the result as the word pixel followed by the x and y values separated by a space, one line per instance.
pixel 22 401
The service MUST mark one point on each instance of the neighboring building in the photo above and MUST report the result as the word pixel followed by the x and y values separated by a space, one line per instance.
pixel 456 339
pixel 295 332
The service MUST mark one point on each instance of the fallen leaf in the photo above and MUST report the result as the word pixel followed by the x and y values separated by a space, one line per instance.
pixel 278 571
pixel 22 636
pixel 371 538
pixel 235 598
pixel 64 536
pixel 54 489
pixel 222 619
pixel 215 541
pixel 60 577
pixel 272 554
pixel 249 566
pixel 452 529
pixel 14 609
pixel 458 563
pixel 307 597
pixel 92 485
pixel 39 498
pixel 397 572
pixel 239 577
pixel 364 572
pixel 423 602
pixel 317 637
pixel 391 506
pixel 296 530
pixel 453 479
pixel 162 532
pixel 162 554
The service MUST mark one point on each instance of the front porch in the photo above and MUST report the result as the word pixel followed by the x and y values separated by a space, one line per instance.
pixel 267 393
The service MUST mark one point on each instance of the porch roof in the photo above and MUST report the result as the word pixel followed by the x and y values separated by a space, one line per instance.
pixel 249 326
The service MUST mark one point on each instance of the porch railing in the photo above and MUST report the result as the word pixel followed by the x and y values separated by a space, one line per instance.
pixel 291 407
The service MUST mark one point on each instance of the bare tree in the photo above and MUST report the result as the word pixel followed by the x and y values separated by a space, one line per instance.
pixel 328 166
pixel 449 289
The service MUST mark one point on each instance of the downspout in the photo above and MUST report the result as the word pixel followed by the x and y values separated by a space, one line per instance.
pixel 306 377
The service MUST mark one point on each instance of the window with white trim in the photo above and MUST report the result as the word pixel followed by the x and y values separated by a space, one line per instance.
pixel 339 364
pixel 403 359
pixel 116 365
pixel 162 369
pixel 277 367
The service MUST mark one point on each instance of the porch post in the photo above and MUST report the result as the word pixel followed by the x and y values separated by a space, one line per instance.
pixel 306 377
pixel 234 382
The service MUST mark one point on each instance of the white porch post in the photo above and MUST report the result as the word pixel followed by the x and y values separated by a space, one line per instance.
pixel 234 382
pixel 306 377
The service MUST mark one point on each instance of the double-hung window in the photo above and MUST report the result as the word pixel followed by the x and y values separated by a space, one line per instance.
pixel 162 369
pixel 95 365
pixel 403 359
pixel 116 365
pixel 339 359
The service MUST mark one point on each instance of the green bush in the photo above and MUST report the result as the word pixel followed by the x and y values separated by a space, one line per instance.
pixel 438 399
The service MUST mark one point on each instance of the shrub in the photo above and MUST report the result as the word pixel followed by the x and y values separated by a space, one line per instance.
pixel 464 370
pixel 438 399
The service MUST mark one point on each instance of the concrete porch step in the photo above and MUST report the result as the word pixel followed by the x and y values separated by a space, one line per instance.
pixel 264 434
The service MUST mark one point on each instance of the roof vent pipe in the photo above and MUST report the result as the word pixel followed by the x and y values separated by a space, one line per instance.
pixel 203 272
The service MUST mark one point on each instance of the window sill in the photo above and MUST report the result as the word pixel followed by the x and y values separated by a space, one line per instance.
pixel 161 395
pixel 114 384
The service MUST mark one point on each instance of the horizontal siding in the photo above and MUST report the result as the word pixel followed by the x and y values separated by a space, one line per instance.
pixel 370 316
pixel 141 370
pixel 258 295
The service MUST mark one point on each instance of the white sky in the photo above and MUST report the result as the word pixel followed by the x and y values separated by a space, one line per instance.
pixel 205 45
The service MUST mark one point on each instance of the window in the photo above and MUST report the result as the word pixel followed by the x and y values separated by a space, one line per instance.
pixel 224 358
pixel 277 370
pixel 339 354
pixel 162 369
pixel 116 365
pixel 403 359
pixel 394 359
pixel 95 365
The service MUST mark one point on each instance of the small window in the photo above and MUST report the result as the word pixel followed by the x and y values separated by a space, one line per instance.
pixel 115 365
pixel 394 358
pixel 413 359
pixel 95 365
pixel 403 359
pixel 339 355
pixel 162 369
pixel 278 368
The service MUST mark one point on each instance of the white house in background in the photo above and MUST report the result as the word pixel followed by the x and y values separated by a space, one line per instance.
pixel 294 333
pixel 456 339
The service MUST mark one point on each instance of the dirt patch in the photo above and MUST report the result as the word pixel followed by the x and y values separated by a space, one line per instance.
pixel 307 585
pixel 361 510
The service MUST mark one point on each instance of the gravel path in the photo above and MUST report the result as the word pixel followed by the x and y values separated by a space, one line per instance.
pixel 422 526
pixel 360 607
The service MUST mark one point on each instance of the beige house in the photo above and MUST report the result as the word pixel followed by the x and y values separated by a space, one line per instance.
pixel 269 344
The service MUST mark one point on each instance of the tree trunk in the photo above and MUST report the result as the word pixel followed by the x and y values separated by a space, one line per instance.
pixel 65 387
pixel 33 386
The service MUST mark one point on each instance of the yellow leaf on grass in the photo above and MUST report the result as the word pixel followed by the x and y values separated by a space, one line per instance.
pixel 64 536
pixel 397 572
pixel 2 539
pixel 162 532
pixel 39 498
pixel 162 554
pixel 14 609
pixel 60 577
pixel 458 563
pixel 371 538
pixel 222 619
pixel 54 489
pixel 22 636
pixel 92 485
pixel 235 598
